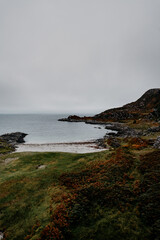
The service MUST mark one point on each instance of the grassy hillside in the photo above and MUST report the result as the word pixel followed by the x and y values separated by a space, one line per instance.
pixel 107 195
pixel 28 182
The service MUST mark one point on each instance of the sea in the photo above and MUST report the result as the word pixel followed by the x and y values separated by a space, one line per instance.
pixel 45 128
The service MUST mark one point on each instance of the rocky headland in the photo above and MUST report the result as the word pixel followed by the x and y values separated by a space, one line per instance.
pixel 137 119
pixel 147 107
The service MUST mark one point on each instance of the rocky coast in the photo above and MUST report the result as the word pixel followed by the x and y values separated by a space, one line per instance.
pixel 134 120
pixel 10 141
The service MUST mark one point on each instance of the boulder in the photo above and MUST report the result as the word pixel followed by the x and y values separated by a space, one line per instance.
pixel 13 138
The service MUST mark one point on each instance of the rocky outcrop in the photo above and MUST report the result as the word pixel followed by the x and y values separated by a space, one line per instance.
pixel 13 138
pixel 121 130
pixel 101 143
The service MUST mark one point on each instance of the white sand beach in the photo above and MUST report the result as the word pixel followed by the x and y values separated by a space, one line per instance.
pixel 74 147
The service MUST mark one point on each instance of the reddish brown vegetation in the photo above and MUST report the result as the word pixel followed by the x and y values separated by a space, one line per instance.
pixel 109 183
pixel 137 143
pixel 150 191
pixel 102 182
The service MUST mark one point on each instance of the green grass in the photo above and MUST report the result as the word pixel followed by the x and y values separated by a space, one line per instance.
pixel 5 147
pixel 26 191
pixel 105 223
pixel 97 196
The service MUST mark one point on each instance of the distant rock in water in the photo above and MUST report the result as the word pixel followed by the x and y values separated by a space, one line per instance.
pixel 13 138
pixel 71 118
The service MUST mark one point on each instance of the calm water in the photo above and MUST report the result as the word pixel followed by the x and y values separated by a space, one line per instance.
pixel 44 128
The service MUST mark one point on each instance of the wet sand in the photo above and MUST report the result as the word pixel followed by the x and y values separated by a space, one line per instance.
pixel 74 147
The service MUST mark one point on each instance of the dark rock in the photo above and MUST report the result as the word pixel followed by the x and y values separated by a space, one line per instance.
pixel 13 138
pixel 111 134
pixel 101 143
pixel 122 130
pixel 113 142
pixel 71 118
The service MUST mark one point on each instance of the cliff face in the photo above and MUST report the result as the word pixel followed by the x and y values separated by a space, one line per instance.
pixel 146 107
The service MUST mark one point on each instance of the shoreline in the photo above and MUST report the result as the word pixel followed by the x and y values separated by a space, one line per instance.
pixel 70 147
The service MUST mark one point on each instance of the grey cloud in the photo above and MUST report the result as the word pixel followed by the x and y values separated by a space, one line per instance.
pixel 77 56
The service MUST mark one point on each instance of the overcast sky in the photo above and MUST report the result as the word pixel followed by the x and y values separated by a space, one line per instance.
pixel 77 55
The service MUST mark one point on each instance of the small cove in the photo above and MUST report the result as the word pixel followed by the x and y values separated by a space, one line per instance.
pixel 46 133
